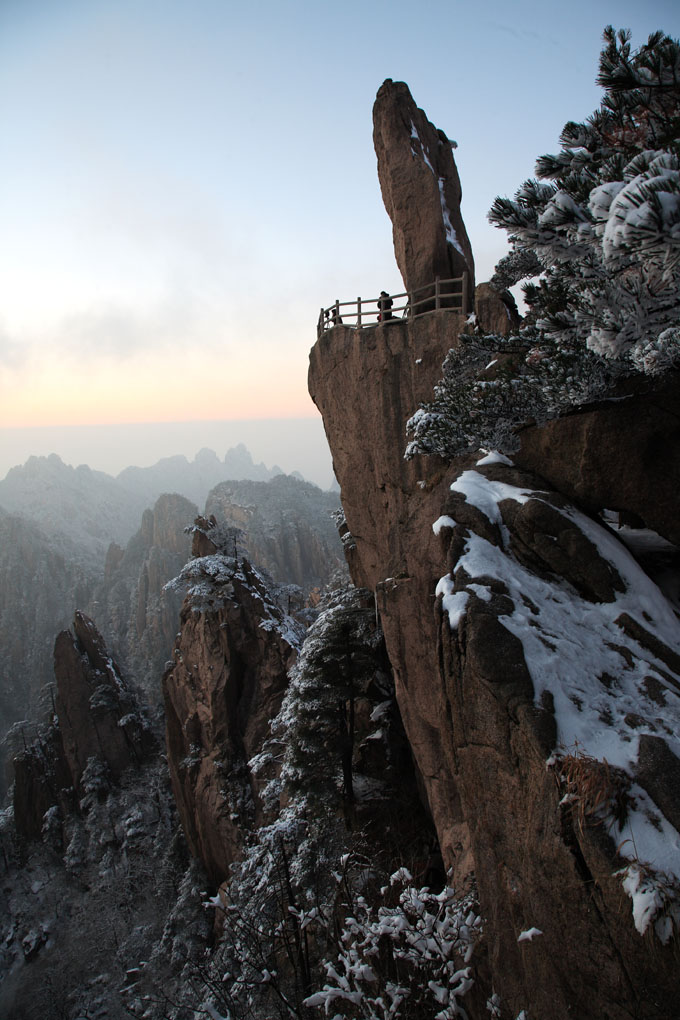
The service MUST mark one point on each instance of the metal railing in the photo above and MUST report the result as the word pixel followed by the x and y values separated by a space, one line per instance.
pixel 366 313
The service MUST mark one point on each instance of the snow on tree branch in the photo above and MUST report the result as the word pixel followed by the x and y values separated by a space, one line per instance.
pixel 597 238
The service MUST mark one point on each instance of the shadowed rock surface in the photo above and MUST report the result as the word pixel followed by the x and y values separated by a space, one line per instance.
pixel 623 456
pixel 97 718
pixel 97 710
pixel 42 780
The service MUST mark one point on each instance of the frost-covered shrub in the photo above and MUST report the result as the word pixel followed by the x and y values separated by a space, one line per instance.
pixel 598 236
pixel 207 581
pixel 275 916
pixel 75 855
pixel 95 782
pixel 407 957
pixel 492 383
pixel 51 830
pixel 226 538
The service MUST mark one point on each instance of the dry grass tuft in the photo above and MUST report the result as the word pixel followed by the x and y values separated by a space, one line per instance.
pixel 599 791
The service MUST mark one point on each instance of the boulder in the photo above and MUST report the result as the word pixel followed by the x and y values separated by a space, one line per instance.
pixel 496 311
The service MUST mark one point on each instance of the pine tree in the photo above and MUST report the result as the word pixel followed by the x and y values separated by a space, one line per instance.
pixel 599 234
pixel 337 663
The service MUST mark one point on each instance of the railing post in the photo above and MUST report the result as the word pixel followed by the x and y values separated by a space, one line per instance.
pixel 437 300
pixel 358 313
pixel 464 294
pixel 321 325
pixel 411 309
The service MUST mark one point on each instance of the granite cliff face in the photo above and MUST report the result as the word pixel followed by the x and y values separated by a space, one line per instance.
pixel 225 685
pixel 367 384
pixel 480 727
pixel 535 662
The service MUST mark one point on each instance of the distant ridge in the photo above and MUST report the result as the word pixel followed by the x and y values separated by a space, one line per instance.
pixel 194 479
pixel 86 509
pixel 288 442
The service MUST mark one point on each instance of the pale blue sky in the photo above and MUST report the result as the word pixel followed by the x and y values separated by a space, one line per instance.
pixel 185 182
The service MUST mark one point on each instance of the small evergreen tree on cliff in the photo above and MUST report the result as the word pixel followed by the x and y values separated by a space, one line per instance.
pixel 337 663
pixel 598 233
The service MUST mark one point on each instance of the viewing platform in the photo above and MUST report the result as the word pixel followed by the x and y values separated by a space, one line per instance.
pixel 367 313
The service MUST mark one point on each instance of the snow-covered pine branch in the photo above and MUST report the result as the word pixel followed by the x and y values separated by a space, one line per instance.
pixel 597 239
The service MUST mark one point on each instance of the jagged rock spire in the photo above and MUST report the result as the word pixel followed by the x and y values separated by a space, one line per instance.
pixel 421 191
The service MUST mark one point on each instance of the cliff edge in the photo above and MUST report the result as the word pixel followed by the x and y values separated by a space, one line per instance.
pixel 536 670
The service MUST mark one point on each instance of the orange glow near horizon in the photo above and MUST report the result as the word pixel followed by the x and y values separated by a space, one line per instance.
pixel 175 391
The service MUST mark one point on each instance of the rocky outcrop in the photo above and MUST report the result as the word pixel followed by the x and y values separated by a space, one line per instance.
pixel 421 191
pixel 287 526
pixel 97 711
pixel 535 662
pixel 622 456
pixel 96 719
pixel 496 311
pixel 540 665
pixel 226 684
pixel 368 384
pixel 56 555
pixel 132 602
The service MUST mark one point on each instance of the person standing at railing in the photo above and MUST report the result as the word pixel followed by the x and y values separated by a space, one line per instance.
pixel 384 306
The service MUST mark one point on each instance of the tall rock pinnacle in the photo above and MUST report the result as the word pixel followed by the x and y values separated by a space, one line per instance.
pixel 421 191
